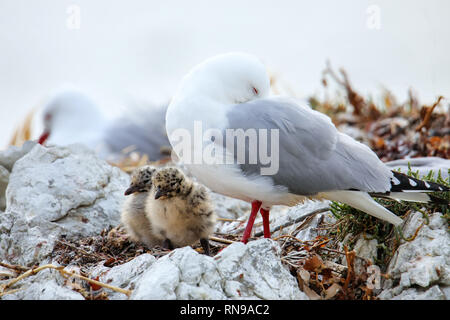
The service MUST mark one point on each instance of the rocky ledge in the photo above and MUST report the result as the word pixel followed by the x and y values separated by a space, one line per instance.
pixel 54 195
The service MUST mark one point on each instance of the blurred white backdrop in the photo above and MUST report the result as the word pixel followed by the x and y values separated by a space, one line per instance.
pixel 122 50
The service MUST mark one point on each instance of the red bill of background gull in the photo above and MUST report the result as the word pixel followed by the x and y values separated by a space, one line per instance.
pixel 71 116
pixel 231 91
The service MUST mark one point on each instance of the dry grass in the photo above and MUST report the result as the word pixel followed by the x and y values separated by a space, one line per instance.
pixel 23 131
pixel 393 130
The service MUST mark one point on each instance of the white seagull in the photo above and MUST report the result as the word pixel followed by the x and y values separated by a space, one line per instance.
pixel 315 160
pixel 71 116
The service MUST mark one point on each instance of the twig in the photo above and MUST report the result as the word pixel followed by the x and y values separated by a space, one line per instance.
pixel 14 267
pixel 24 275
pixel 288 236
pixel 221 240
pixel 415 233
pixel 228 220
pixel 339 252
pixel 427 116
pixel 10 292
pixel 354 98
pixel 62 271
pixel 84 252
pixel 350 256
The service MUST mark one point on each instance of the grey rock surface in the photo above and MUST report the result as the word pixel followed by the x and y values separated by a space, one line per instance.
pixel 57 191
pixel 4 179
pixel 252 271
pixel 7 159
pixel 9 156
pixel 364 248
pixel 124 276
pixel 51 192
pixel 421 263
pixel 433 293
pixel 229 208
pixel 45 285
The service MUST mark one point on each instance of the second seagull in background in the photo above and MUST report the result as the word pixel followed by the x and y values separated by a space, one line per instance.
pixel 72 116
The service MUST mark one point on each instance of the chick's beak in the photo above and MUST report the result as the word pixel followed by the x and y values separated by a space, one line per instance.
pixel 131 190
pixel 159 194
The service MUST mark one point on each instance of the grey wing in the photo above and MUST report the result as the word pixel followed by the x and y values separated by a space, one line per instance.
pixel 143 129
pixel 313 156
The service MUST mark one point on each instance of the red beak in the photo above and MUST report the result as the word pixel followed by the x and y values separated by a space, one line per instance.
pixel 44 136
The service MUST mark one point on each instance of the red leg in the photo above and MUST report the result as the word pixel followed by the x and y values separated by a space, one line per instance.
pixel 265 216
pixel 248 229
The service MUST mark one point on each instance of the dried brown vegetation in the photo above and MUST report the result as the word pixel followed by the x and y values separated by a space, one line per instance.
pixel 393 130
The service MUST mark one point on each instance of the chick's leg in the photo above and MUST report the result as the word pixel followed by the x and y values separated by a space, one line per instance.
pixel 205 245
pixel 167 244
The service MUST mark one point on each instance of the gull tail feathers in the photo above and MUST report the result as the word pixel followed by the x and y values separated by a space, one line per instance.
pixel 421 197
pixel 401 182
pixel 407 188
pixel 364 202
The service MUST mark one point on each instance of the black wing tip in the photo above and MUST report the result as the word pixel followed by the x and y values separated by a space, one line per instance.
pixel 402 182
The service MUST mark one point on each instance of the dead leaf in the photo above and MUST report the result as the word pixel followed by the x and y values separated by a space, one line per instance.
pixel 326 274
pixel 95 287
pixel 314 263
pixel 109 262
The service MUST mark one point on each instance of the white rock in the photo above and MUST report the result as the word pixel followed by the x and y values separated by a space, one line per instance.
pixel 4 179
pixel 446 291
pixel 123 276
pixel 45 285
pixel 229 208
pixel 7 159
pixel 423 262
pixel 57 191
pixel 366 249
pixel 7 273
pixel 252 271
pixel 160 283
pixel 434 293
pixel 283 215
pixel 9 156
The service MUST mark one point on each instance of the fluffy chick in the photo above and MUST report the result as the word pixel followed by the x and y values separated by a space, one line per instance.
pixel 133 215
pixel 180 210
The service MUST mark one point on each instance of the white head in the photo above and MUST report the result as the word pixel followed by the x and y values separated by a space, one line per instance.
pixel 229 78
pixel 68 115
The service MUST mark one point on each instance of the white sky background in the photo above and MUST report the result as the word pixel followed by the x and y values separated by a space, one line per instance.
pixel 141 49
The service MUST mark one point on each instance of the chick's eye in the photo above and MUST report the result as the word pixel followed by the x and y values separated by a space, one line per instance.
pixel 255 90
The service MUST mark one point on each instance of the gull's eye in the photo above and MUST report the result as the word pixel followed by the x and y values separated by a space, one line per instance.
pixel 255 90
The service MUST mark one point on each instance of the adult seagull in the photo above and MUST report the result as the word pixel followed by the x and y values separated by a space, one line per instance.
pixel 71 116
pixel 231 91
